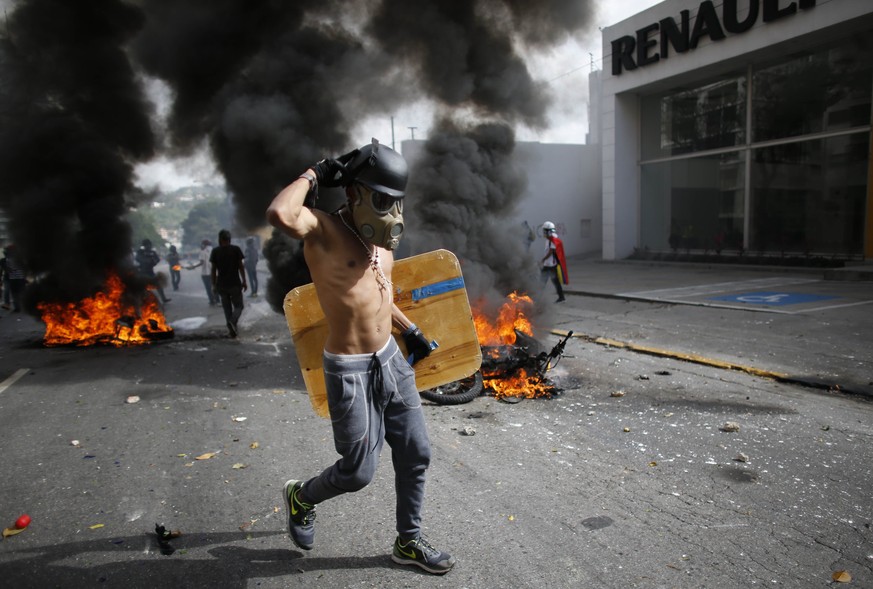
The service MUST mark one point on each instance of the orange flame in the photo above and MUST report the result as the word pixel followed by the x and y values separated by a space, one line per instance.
pixel 511 317
pixel 103 319
pixel 521 384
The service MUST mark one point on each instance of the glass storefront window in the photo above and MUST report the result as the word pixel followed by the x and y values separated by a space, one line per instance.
pixel 805 195
pixel 828 90
pixel 707 117
pixel 810 196
pixel 693 204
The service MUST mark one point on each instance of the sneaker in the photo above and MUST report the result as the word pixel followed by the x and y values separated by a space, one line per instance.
pixel 561 300
pixel 301 516
pixel 420 553
pixel 231 328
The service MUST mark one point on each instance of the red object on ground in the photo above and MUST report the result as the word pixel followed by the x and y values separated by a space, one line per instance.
pixel 22 522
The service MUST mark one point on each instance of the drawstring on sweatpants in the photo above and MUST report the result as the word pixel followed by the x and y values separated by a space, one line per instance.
pixel 377 385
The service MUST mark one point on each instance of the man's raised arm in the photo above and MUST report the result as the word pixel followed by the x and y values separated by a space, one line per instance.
pixel 287 212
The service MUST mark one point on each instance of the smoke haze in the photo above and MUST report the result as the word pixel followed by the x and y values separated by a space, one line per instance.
pixel 272 87
pixel 74 122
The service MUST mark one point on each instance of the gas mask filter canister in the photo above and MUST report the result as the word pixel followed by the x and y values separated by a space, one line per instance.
pixel 377 216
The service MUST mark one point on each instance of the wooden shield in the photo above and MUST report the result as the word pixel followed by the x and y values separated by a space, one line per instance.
pixel 429 289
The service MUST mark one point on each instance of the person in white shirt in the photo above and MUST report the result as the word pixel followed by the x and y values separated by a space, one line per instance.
pixel 206 272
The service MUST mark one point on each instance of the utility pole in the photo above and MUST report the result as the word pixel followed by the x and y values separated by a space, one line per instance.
pixel 392 133
pixel 412 129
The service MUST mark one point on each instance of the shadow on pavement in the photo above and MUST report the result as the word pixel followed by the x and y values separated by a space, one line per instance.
pixel 137 561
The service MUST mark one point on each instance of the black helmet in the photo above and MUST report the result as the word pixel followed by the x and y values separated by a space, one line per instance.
pixel 379 168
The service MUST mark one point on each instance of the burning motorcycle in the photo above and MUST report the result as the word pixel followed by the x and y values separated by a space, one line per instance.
pixel 510 370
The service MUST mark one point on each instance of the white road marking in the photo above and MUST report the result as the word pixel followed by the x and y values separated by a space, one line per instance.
pixel 13 379
pixel 678 296
pixel 720 287
pixel 828 307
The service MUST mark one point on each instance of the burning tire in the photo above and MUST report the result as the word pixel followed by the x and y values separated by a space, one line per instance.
pixel 456 393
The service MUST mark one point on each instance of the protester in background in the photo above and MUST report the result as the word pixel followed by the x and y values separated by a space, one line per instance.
pixel 14 275
pixel 228 279
pixel 146 260
pixel 175 269
pixel 371 390
pixel 205 272
pixel 528 234
pixel 4 276
pixel 554 265
pixel 251 264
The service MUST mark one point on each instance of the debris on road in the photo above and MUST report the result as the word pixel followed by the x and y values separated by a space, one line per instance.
pixel 730 426
pixel 164 536
pixel 842 577
pixel 20 524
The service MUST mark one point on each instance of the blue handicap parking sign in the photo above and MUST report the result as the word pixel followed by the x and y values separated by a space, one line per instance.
pixel 772 298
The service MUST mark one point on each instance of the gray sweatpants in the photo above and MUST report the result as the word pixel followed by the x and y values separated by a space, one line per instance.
pixel 373 399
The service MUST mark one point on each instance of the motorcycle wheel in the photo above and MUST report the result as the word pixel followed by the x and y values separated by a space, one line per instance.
pixel 455 393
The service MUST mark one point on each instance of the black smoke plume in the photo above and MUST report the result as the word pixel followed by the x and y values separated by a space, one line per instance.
pixel 271 86
pixel 467 180
pixel 74 123
pixel 465 184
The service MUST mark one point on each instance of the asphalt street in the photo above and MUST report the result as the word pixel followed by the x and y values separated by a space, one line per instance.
pixel 714 430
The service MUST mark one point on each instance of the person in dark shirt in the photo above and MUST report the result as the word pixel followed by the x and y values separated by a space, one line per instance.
pixel 4 274
pixel 146 259
pixel 229 279
pixel 174 261
pixel 251 265
pixel 15 278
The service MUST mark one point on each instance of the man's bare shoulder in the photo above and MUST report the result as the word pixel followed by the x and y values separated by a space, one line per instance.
pixel 326 231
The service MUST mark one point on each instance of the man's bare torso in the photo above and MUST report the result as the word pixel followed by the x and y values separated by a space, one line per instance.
pixel 356 303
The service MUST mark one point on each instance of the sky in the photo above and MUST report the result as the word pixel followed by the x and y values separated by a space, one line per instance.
pixel 565 69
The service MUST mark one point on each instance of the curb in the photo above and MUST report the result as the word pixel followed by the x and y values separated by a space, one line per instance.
pixel 806 381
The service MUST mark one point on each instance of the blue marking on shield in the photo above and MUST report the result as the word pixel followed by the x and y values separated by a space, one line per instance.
pixel 437 288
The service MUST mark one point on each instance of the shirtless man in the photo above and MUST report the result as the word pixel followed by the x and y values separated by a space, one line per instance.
pixel 370 386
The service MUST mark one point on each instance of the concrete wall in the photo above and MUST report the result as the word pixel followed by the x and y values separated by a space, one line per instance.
pixel 563 187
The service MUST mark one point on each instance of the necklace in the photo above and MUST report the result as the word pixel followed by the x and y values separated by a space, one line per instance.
pixel 373 257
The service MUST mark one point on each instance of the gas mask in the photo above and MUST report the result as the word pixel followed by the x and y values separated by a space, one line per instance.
pixel 377 216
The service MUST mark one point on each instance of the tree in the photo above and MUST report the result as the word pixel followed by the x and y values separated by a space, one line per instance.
pixel 142 228
pixel 204 221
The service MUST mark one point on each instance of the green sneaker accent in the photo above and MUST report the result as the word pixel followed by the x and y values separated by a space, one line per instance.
pixel 301 516
pixel 420 553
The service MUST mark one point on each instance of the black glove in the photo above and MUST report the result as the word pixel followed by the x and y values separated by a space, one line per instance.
pixel 332 172
pixel 417 345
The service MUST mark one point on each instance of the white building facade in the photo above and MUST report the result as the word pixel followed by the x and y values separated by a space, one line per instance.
pixel 738 125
